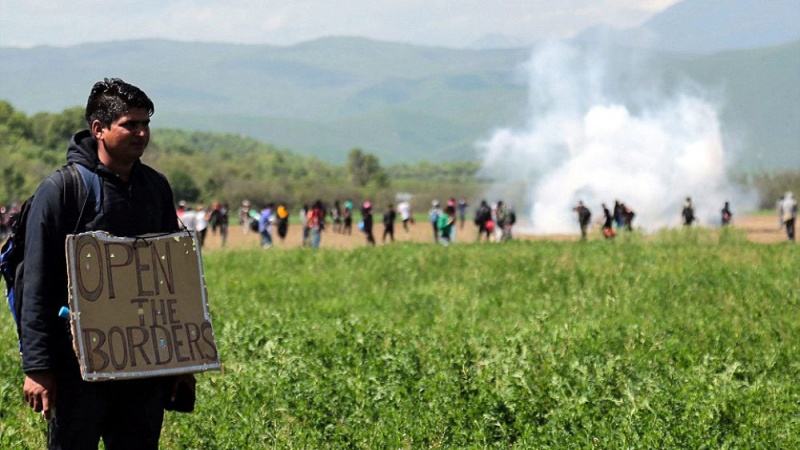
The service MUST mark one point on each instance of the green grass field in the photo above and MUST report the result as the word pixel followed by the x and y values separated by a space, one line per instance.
pixel 679 341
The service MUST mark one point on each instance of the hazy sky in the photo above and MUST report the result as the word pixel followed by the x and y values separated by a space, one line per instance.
pixel 451 23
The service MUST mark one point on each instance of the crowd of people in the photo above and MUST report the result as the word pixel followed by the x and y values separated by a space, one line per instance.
pixel 495 222
pixel 622 216
pixel 620 219
pixel 199 219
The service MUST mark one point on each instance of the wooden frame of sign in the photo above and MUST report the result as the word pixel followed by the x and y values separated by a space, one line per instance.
pixel 138 306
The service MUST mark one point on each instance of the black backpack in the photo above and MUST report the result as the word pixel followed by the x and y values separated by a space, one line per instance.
pixel 584 215
pixel 483 215
pixel 13 251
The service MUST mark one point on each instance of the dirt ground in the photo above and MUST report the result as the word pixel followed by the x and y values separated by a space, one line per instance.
pixel 759 228
pixel 762 228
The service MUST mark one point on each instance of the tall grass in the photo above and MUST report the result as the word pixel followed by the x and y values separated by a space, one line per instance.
pixel 683 341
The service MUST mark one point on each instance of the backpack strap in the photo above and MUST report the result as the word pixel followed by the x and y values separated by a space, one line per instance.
pixel 80 185
pixel 91 182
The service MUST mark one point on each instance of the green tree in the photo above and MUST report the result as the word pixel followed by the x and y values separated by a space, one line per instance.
pixel 13 183
pixel 55 130
pixel 13 124
pixel 772 186
pixel 364 168
pixel 183 185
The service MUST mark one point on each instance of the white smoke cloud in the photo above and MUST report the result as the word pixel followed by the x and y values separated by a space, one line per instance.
pixel 600 131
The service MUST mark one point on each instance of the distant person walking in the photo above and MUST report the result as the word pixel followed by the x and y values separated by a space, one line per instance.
pixel 219 220
pixel 316 223
pixel 627 217
pixel 265 226
pixel 433 217
pixel 619 210
pixel 584 218
pixel 366 222
pixel 254 217
pixel 687 213
pixel 188 218
pixel 245 217
pixel 788 214
pixel 483 215
pixel 452 202
pixel 347 218
pixel 213 218
pixel 404 209
pixel 388 223
pixel 462 212
pixel 224 218
pixel 727 215
pixel 445 224
pixel 500 221
pixel 336 216
pixel 510 221
pixel 306 236
pixel 608 222
pixel 282 220
pixel 201 223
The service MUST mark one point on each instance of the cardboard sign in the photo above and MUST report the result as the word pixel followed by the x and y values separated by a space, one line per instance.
pixel 138 306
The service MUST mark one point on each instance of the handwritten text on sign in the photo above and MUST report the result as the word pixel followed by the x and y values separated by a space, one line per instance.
pixel 138 306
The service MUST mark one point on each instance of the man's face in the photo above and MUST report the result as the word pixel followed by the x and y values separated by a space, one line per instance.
pixel 125 140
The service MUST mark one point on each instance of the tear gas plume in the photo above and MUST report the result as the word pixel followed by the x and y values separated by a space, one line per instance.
pixel 602 129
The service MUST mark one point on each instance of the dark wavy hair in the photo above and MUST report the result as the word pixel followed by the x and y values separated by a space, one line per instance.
pixel 112 98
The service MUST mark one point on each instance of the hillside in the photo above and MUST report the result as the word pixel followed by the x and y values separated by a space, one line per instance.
pixel 707 26
pixel 761 93
pixel 703 27
pixel 403 103
pixel 322 97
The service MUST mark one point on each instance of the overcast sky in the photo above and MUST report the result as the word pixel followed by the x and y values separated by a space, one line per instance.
pixel 450 23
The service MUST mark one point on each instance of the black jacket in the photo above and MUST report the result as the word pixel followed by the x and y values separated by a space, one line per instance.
pixel 144 205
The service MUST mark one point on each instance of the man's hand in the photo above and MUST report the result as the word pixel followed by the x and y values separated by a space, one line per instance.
pixel 188 379
pixel 40 392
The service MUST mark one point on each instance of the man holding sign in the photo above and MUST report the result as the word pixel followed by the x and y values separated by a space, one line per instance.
pixel 134 200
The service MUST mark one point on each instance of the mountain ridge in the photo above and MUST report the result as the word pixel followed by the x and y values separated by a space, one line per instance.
pixel 399 101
